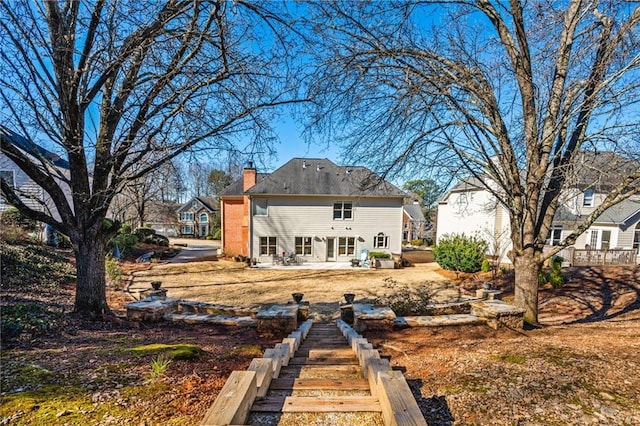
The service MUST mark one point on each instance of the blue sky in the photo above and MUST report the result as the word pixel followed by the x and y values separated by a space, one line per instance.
pixel 292 144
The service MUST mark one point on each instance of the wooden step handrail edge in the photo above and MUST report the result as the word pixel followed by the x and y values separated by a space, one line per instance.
pixel 399 406
pixel 242 387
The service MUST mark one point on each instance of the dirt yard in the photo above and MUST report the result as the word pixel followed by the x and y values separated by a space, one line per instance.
pixel 581 368
pixel 233 283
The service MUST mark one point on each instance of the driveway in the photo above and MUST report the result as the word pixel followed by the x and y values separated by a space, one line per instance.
pixel 194 250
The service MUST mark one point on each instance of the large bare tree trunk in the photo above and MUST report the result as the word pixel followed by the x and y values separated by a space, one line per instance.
pixel 526 268
pixel 91 301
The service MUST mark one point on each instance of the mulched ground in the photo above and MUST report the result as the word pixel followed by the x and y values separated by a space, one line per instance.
pixel 582 367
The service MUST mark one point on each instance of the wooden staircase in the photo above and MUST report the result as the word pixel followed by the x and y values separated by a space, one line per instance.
pixel 321 384
pixel 333 377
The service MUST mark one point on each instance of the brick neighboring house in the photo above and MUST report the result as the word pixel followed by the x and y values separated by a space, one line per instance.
pixel 313 208
pixel 471 209
pixel 196 217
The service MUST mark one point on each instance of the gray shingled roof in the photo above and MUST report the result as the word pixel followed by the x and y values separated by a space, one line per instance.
pixel 625 214
pixel 414 211
pixel 32 148
pixel 237 187
pixel 209 203
pixel 320 176
pixel 470 183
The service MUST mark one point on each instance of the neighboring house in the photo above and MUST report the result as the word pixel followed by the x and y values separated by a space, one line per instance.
pixel 161 216
pixel 313 209
pixel 30 193
pixel 196 217
pixel 469 208
pixel 414 224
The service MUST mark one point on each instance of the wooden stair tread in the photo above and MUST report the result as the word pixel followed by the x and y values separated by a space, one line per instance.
pixel 297 360
pixel 318 384
pixel 316 404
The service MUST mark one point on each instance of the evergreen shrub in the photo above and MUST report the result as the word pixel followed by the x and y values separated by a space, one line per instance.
pixel 459 252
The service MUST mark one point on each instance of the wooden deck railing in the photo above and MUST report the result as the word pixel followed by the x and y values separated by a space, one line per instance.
pixel 589 257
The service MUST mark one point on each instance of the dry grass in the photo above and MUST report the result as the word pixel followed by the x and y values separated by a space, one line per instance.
pixel 232 283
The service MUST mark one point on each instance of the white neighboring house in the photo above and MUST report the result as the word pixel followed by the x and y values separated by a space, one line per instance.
pixel 314 209
pixel 470 209
pixel 31 194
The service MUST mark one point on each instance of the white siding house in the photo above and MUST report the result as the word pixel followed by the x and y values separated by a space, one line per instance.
pixel 314 210
pixel 471 209
pixel 30 193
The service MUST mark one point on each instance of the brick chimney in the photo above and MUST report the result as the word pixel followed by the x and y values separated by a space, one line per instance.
pixel 248 176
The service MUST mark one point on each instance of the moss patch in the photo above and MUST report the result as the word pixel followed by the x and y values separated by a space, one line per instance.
pixel 244 351
pixel 511 358
pixel 174 352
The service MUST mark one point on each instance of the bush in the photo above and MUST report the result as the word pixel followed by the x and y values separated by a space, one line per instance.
pixel 486 266
pixel 20 264
pixel 143 233
pixel 30 319
pixel 379 255
pixel 460 253
pixel 555 276
pixel 13 216
pixel 417 242
pixel 125 241
pixel 405 302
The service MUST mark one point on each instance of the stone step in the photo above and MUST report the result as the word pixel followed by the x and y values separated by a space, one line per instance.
pixel 212 319
pixel 437 320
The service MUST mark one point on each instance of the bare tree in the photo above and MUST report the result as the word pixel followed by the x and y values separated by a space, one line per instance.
pixel 111 85
pixel 510 92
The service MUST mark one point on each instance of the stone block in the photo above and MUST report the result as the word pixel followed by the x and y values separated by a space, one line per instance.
pixel 278 319
pixel 369 317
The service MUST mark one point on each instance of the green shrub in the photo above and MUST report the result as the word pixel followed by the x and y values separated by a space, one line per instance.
pixel 379 255
pixel 13 216
pixel 125 242
pixel 31 319
pixel 417 242
pixel 555 276
pixel 20 264
pixel 217 235
pixel 143 233
pixel 458 252
pixel 486 266
pixel 542 277
pixel 113 270
pixel 157 239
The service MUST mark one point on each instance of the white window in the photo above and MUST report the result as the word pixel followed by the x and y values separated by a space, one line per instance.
pixel 346 246
pixel 342 210
pixel 303 246
pixel 260 208
pixel 599 239
pixel 187 229
pixel 381 241
pixel 555 236
pixel 186 216
pixel 204 218
pixel 587 197
pixel 268 246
